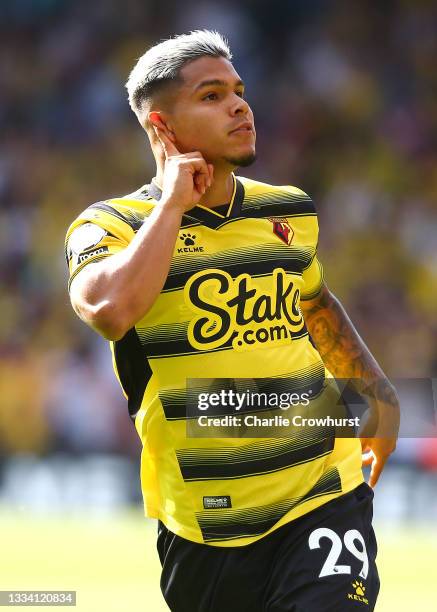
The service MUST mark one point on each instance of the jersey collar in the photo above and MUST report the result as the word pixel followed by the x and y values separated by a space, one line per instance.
pixel 211 217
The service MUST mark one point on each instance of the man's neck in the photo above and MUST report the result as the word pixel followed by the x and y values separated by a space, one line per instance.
pixel 220 191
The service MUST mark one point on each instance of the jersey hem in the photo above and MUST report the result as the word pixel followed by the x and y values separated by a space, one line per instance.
pixel 312 504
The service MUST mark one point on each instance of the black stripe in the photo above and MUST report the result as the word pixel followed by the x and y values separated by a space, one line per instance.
pixel 218 525
pixel 277 203
pixel 181 347
pixel 171 341
pixel 133 369
pixel 176 402
pixel 182 403
pixel 108 209
pixel 253 254
pixel 255 268
pixel 178 348
pixel 257 261
pixel 132 219
pixel 279 210
pixel 135 219
pixel 260 465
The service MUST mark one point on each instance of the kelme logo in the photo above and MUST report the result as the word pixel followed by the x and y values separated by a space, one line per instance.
pixel 359 594
pixel 189 241
pixel 240 311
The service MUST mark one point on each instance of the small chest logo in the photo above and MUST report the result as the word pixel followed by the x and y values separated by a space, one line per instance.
pixel 189 241
pixel 282 229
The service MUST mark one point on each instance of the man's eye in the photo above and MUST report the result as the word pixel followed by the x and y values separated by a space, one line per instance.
pixel 240 93
pixel 210 96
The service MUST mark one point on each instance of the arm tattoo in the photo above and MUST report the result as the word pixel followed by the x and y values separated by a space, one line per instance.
pixel 342 350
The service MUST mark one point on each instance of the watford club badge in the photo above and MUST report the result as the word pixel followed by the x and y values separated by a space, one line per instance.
pixel 282 229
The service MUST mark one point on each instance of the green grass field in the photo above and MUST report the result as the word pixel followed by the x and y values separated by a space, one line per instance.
pixel 113 566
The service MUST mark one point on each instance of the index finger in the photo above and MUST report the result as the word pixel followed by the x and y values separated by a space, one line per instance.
pixel 376 469
pixel 168 146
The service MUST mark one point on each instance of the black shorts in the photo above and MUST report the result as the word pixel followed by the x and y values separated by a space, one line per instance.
pixel 323 561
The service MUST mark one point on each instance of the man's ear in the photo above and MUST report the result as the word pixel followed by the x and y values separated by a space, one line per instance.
pixel 160 120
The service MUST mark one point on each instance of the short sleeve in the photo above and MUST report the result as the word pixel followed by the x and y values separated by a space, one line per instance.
pixel 312 279
pixel 92 237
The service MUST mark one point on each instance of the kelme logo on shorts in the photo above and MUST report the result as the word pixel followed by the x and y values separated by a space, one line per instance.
pixel 240 311
pixel 359 594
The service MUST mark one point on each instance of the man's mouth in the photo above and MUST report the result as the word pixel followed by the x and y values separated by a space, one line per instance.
pixel 244 127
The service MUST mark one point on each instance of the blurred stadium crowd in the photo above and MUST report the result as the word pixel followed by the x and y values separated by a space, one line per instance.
pixel 344 95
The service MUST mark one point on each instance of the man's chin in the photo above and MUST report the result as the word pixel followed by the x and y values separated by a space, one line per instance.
pixel 242 161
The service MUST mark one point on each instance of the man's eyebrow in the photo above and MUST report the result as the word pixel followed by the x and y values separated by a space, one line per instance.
pixel 217 83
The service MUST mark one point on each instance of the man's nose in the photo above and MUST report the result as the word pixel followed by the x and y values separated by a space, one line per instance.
pixel 239 106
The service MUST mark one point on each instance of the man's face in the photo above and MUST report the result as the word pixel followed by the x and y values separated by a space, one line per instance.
pixel 209 113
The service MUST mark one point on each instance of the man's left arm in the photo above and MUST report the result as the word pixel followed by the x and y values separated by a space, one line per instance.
pixel 346 356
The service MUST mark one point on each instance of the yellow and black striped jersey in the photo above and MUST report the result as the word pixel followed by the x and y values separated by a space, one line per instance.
pixel 229 309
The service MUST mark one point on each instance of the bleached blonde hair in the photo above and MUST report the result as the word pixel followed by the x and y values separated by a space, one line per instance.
pixel 162 63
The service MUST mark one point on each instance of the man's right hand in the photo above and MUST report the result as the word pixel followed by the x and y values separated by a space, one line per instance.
pixel 186 176
pixel 112 295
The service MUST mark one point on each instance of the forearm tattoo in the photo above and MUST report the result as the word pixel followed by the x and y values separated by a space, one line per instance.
pixel 343 351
